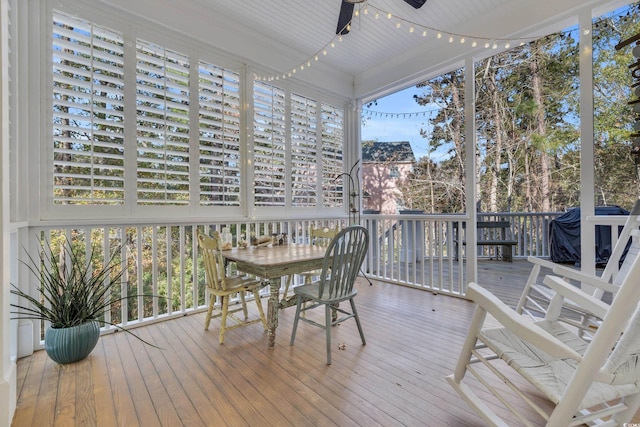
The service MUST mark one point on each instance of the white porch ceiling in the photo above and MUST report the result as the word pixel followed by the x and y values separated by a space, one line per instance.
pixel 376 57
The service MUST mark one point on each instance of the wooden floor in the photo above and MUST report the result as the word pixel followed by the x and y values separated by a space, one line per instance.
pixel 397 379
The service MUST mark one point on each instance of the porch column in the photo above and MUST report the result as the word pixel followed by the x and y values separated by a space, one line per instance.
pixel 353 150
pixel 587 181
pixel 470 165
pixel 7 362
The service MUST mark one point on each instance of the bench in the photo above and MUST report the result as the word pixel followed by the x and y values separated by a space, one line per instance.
pixel 493 233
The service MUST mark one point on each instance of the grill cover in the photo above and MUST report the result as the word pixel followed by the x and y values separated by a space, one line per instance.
pixel 564 236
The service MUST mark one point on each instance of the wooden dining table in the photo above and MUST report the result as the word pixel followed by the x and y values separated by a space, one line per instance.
pixel 271 263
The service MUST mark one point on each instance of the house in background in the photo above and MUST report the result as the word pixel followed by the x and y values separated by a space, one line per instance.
pixel 384 165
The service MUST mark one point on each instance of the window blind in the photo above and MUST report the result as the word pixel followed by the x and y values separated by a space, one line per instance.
pixel 269 145
pixel 88 113
pixel 332 119
pixel 162 100
pixel 219 107
pixel 304 152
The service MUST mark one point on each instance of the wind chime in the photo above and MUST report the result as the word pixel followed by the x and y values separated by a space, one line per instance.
pixel 635 73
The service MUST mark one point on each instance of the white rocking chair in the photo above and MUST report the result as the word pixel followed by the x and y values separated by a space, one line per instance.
pixel 535 297
pixel 594 381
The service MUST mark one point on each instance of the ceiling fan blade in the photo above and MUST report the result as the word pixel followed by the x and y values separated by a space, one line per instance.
pixel 416 3
pixel 346 13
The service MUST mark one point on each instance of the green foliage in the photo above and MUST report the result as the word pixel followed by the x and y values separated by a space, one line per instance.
pixel 528 126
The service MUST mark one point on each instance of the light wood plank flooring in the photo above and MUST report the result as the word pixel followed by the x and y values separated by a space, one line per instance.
pixel 397 379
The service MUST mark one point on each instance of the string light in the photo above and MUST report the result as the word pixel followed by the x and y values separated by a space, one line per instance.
pixel 413 26
pixel 403 115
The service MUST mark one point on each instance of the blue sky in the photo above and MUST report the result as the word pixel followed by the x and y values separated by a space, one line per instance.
pixel 388 121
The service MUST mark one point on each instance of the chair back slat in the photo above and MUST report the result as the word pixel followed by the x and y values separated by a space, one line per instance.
pixel 632 223
pixel 322 236
pixel 211 250
pixel 343 260
pixel 618 337
pixel 624 361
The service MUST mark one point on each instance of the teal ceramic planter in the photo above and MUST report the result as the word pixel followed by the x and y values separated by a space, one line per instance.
pixel 68 345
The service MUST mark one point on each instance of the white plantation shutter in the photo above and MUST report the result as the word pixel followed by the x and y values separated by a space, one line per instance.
pixel 219 174
pixel 310 162
pixel 269 145
pixel 295 155
pixel 332 155
pixel 304 152
pixel 88 113
pixel 162 99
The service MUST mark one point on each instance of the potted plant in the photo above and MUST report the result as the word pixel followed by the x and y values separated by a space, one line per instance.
pixel 75 292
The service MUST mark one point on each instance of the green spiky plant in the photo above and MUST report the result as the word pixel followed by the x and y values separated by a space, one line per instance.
pixel 75 289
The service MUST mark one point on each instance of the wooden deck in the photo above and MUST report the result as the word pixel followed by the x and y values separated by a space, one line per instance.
pixel 397 379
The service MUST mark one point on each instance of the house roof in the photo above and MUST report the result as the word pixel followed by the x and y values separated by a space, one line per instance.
pixel 385 49
pixel 376 152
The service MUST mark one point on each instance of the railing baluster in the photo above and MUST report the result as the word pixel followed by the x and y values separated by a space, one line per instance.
pixel 425 259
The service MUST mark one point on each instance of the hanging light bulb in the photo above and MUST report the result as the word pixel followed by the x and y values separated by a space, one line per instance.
pixel 424 33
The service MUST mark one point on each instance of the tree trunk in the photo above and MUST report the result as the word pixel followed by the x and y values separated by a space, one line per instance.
pixel 540 129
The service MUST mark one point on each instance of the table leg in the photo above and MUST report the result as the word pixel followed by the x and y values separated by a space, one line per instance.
pixel 272 311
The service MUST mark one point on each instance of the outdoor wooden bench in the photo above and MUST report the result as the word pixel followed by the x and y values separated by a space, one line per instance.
pixel 493 233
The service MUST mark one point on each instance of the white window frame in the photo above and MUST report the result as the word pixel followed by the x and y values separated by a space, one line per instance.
pixel 133 29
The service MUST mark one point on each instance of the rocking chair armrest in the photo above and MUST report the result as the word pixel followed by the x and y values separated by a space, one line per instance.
pixel 573 274
pixel 519 325
pixel 585 301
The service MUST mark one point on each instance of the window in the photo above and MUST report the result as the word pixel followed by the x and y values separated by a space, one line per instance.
pixel 312 160
pixel 182 141
pixel 304 153
pixel 332 155
pixel 394 172
pixel 88 113
pixel 269 145
pixel 162 126
pixel 219 136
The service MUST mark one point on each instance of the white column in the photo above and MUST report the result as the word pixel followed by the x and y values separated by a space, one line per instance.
pixel 587 182
pixel 7 363
pixel 470 164
pixel 352 146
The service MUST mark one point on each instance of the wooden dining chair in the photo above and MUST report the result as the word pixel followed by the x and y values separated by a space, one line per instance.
pixel 222 287
pixel 342 262
pixel 320 236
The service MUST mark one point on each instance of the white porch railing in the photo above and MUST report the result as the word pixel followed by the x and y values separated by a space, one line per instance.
pixel 412 250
